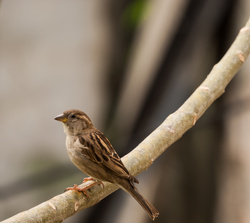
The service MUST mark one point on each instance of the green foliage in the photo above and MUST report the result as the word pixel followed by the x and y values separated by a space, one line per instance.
pixel 134 14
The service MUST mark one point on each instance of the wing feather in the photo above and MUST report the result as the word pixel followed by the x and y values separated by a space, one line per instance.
pixel 97 148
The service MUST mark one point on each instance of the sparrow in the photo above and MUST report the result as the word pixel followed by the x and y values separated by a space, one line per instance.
pixel 92 153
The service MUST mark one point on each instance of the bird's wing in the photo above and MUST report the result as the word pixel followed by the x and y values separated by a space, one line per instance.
pixel 97 148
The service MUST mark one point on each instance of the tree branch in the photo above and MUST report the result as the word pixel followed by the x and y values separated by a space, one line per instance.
pixel 67 204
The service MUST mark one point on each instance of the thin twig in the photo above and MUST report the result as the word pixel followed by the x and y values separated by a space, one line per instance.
pixel 67 204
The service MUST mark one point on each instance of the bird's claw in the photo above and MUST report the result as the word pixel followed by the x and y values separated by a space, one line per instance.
pixel 84 189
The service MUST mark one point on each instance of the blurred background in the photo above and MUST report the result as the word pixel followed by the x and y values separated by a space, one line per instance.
pixel 128 64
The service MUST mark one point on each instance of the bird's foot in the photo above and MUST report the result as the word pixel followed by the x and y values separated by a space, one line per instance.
pixel 86 179
pixel 96 182
pixel 84 189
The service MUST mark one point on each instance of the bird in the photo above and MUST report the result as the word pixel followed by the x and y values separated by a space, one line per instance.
pixel 92 153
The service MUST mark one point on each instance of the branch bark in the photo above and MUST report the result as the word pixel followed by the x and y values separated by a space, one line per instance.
pixel 67 204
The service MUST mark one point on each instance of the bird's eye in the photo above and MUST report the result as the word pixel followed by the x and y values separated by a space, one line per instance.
pixel 73 116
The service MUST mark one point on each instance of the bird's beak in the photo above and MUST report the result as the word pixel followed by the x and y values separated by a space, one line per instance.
pixel 61 118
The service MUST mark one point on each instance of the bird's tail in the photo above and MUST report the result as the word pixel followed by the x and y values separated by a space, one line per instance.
pixel 149 208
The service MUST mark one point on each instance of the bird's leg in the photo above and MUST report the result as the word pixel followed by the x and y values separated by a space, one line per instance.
pixel 84 189
pixel 86 179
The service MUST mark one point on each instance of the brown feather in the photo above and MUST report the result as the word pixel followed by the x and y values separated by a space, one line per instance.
pixel 98 148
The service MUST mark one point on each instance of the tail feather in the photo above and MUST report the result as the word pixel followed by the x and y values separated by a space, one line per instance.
pixel 149 208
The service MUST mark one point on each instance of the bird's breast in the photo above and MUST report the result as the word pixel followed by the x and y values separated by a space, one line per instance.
pixel 74 149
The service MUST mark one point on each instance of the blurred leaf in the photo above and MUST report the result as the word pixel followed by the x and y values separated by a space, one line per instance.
pixel 134 13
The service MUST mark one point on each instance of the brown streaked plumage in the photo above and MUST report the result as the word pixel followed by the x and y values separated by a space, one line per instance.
pixel 93 154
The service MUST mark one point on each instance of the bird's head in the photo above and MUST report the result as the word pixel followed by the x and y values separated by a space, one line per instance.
pixel 74 121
